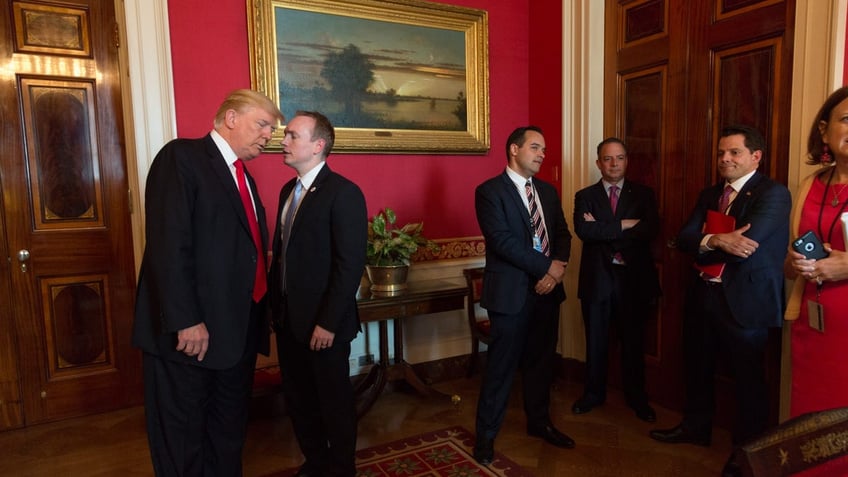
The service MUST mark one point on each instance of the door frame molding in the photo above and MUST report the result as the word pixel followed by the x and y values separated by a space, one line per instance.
pixel 149 99
pixel 582 130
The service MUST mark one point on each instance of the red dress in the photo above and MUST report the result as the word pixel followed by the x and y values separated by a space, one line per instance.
pixel 820 360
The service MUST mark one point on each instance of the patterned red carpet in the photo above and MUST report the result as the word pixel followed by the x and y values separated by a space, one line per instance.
pixel 446 452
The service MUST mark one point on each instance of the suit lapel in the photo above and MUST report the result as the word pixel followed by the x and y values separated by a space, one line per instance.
pixel 600 195
pixel 222 172
pixel 515 198
pixel 740 204
pixel 309 199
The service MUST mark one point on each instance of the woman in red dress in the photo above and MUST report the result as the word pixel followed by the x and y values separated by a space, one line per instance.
pixel 819 299
pixel 820 341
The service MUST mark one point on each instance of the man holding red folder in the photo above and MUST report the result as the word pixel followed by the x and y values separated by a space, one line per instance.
pixel 738 233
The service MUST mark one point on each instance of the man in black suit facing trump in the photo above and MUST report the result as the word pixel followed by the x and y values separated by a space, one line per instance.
pixel 527 249
pixel 616 219
pixel 319 257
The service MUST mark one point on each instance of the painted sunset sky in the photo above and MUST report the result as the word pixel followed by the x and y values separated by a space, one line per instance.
pixel 413 60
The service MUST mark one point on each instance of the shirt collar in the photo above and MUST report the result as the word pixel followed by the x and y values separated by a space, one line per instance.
pixel 308 178
pixel 517 178
pixel 223 146
pixel 738 184
pixel 607 185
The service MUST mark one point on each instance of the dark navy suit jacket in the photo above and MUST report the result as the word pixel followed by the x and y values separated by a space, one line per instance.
pixel 753 286
pixel 512 265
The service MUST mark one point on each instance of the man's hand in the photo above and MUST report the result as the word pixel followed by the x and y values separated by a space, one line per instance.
pixel 194 341
pixel 545 285
pixel 321 339
pixel 628 223
pixel 557 270
pixel 734 242
pixel 555 274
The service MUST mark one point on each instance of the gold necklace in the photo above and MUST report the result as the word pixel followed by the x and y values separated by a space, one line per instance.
pixel 835 201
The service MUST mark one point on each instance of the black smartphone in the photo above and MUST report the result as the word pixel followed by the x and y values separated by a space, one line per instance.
pixel 810 246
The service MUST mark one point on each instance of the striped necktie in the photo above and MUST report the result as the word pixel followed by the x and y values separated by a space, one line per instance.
pixel 536 218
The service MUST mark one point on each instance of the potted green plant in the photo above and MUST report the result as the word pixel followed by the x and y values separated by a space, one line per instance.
pixel 390 249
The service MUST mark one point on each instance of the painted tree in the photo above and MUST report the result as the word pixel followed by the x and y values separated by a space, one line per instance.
pixel 349 73
pixel 461 110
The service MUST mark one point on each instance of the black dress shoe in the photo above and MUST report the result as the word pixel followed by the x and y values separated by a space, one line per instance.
pixel 484 451
pixel 681 435
pixel 645 412
pixel 551 435
pixel 584 405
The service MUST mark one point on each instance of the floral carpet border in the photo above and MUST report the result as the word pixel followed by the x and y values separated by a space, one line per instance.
pixel 443 453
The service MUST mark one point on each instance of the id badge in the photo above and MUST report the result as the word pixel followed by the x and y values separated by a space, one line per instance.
pixel 537 243
pixel 815 312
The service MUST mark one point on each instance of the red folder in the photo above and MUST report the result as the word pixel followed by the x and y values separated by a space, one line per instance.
pixel 716 223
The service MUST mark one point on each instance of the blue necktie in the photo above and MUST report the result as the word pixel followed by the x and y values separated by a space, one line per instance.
pixel 287 224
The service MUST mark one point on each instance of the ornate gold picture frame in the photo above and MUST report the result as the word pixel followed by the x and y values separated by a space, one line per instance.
pixel 396 76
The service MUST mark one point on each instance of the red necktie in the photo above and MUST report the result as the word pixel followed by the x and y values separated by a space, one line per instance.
pixel 613 198
pixel 260 284
pixel 724 201
pixel 613 192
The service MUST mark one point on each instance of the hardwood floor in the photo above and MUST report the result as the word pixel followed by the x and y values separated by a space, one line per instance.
pixel 611 441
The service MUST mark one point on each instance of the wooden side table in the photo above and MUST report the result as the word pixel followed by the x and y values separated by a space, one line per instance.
pixel 421 298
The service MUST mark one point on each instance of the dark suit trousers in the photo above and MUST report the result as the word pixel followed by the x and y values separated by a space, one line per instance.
pixel 320 402
pixel 197 417
pixel 628 312
pixel 709 333
pixel 526 341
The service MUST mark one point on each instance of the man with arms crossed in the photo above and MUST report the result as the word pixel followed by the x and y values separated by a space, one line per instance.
pixel 731 308
pixel 616 219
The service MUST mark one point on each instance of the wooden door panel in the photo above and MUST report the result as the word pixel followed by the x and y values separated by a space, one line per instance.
pixel 643 103
pixel 62 167
pixel 679 71
pixel 745 92
pixel 66 204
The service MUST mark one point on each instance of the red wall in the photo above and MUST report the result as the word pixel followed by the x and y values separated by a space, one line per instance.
pixel 211 57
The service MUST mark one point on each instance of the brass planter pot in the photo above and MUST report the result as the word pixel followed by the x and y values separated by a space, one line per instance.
pixel 387 279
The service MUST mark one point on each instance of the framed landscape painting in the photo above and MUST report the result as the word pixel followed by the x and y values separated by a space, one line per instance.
pixel 392 76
